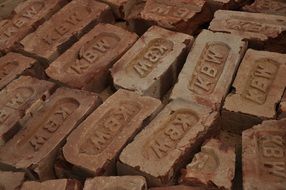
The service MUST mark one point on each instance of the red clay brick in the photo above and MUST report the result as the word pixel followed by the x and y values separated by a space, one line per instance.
pixel 264 156
pixel 85 65
pixel 181 15
pixel 263 31
pixel 7 7
pixel 252 26
pixel 27 17
pixel 64 28
pixel 209 70
pixel 34 148
pixel 18 101
pixel 151 66
pixel 11 180
pixel 213 167
pixel 94 146
pixel 13 65
pixel 258 88
pixel 116 183
pixel 56 184
pixel 274 7
pixel 168 143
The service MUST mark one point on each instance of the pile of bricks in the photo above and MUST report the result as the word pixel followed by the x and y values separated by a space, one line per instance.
pixel 142 94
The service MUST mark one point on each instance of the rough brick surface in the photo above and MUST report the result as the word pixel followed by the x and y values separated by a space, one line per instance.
pixel 18 102
pixel 85 65
pixel 64 28
pixel 263 31
pixel 210 68
pixel 276 7
pixel 258 88
pixel 94 146
pixel 7 7
pixel 12 65
pixel 264 156
pixel 11 180
pixel 181 15
pixel 35 146
pixel 57 184
pixel 26 18
pixel 168 142
pixel 213 167
pixel 116 182
pixel 252 26
pixel 151 66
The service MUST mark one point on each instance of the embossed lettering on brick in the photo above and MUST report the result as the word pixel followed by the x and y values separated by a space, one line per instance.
pixel 26 19
pixel 44 133
pixel 86 64
pixel 257 89
pixel 151 65
pixel 167 143
pixel 209 69
pixel 19 100
pixel 64 28
pixel 256 27
pixel 264 156
pixel 277 7
pixel 94 146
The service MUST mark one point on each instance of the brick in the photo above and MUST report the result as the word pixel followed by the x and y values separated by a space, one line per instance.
pixel 27 17
pixel 13 65
pixel 257 90
pixel 18 101
pixel 7 7
pixel 56 184
pixel 34 148
pixel 94 146
pixel 85 65
pixel 210 67
pixel 181 15
pixel 234 140
pixel 151 66
pixel 168 143
pixel 264 156
pixel 177 187
pixel 11 180
pixel 117 7
pixel 263 31
pixel 116 182
pixel 64 28
pixel 274 7
pixel 213 166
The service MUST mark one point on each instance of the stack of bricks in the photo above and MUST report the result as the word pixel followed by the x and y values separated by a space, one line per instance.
pixel 142 94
